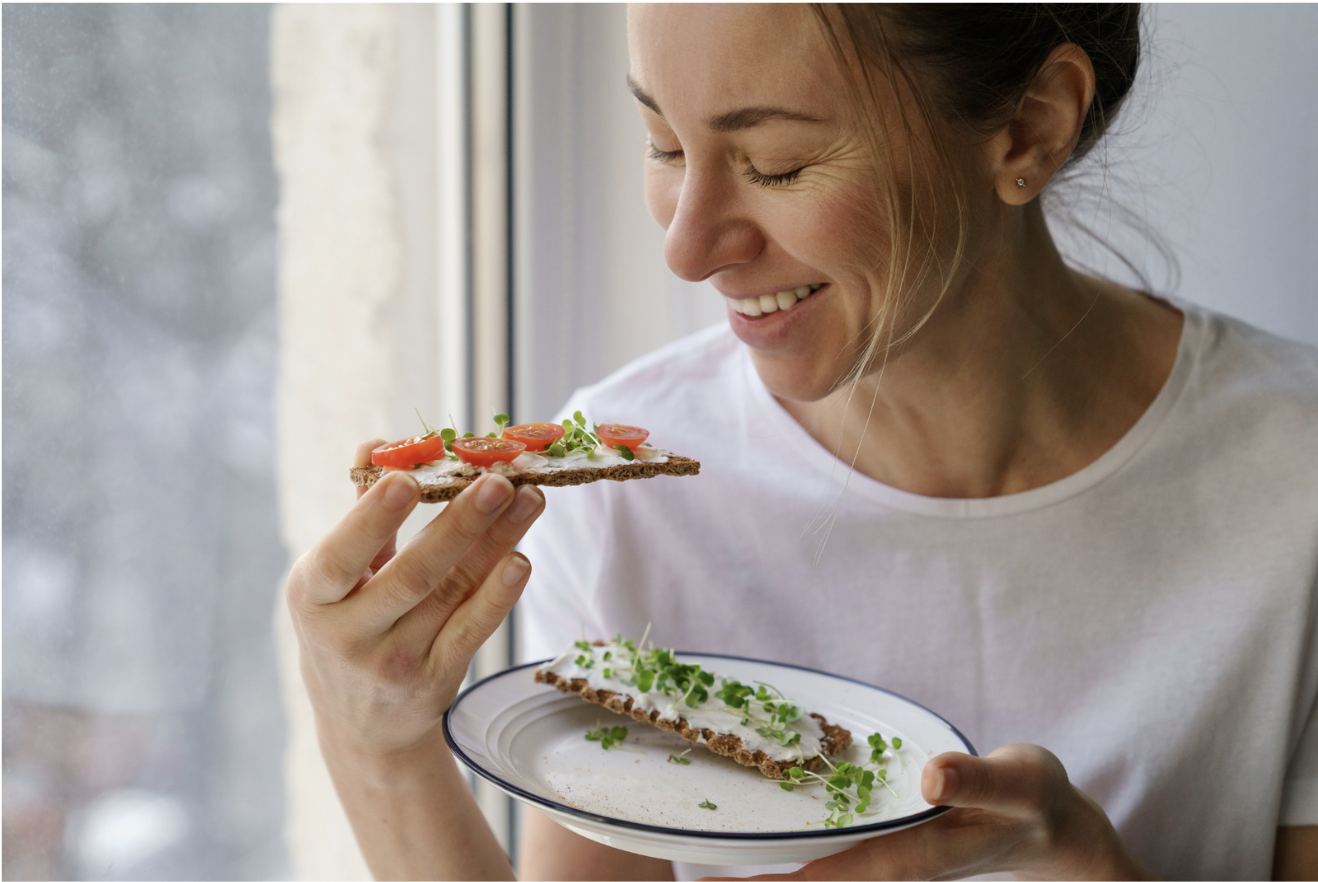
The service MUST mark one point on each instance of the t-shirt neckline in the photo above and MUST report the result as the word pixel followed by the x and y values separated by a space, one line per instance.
pixel 839 477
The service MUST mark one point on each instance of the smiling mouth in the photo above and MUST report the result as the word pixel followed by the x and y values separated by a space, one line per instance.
pixel 755 307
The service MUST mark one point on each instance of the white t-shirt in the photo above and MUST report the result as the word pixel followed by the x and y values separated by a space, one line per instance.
pixel 1149 619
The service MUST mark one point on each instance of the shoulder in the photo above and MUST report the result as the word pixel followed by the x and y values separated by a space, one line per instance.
pixel 1244 366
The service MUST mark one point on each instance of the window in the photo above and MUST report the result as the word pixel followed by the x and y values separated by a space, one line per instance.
pixel 143 731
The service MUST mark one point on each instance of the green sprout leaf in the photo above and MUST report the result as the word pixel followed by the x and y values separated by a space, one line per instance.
pixel 680 758
pixel 607 736
pixel 708 805
pixel 625 452
pixel 424 425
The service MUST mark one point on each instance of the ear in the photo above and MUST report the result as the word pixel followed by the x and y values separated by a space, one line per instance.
pixel 1044 131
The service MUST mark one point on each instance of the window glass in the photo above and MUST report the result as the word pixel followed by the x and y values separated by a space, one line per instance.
pixel 142 560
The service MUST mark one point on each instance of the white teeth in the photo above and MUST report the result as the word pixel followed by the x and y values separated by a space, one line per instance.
pixel 767 303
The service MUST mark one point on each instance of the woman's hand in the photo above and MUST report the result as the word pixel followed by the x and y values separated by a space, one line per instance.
pixel 386 638
pixel 1015 810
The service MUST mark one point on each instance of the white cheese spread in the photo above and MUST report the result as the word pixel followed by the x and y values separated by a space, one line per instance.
pixel 446 471
pixel 612 666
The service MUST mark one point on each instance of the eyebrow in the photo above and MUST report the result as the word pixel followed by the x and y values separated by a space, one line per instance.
pixel 733 121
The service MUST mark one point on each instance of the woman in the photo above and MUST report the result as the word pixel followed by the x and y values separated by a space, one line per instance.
pixel 935 458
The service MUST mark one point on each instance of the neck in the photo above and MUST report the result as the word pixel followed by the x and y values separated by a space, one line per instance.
pixel 1026 372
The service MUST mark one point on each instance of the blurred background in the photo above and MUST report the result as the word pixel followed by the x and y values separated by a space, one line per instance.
pixel 237 239
pixel 142 722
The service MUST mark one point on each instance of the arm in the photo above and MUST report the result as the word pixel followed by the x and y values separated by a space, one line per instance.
pixel 549 851
pixel 385 640
pixel 1296 854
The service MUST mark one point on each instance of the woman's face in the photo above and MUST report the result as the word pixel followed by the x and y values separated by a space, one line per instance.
pixel 760 175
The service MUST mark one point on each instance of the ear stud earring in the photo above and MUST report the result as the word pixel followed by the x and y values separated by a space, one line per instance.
pixel 1020 182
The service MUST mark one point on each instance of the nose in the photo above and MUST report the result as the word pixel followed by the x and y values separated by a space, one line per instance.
pixel 708 231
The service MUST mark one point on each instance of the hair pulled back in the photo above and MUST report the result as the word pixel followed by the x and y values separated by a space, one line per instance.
pixel 966 68
pixel 979 59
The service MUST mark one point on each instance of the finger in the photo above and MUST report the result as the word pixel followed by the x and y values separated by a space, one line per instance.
pixel 960 842
pixel 1019 779
pixel 477 618
pixel 331 569
pixel 413 574
pixel 362 458
pixel 471 571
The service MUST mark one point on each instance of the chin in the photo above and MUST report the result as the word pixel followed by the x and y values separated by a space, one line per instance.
pixel 791 380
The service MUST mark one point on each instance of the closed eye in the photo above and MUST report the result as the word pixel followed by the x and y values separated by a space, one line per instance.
pixel 672 157
pixel 666 156
pixel 763 180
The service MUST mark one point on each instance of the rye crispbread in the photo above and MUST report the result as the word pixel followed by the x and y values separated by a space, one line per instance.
pixel 836 739
pixel 451 486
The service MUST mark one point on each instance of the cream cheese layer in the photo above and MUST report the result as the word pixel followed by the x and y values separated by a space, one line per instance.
pixel 612 666
pixel 445 471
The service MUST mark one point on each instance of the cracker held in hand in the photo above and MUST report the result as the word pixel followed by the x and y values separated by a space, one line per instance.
pixel 752 724
pixel 546 454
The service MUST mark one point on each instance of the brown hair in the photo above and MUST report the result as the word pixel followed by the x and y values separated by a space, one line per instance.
pixel 965 67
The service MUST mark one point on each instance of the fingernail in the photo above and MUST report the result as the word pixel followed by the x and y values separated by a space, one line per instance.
pixel 402 488
pixel 528 501
pixel 494 490
pixel 948 782
pixel 515 570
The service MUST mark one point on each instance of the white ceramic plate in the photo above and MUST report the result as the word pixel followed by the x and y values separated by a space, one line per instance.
pixel 528 739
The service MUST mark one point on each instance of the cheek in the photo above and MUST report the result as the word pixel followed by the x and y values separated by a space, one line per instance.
pixel 847 232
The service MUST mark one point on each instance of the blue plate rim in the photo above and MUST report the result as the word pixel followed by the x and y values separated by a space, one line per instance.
pixel 876 827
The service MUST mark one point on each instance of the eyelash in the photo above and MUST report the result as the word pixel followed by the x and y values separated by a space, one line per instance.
pixel 763 180
pixel 755 177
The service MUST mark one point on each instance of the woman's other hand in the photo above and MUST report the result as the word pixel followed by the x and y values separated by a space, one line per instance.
pixel 1014 810
pixel 386 636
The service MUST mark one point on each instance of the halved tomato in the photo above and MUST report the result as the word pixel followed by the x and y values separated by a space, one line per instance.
pixel 536 436
pixel 486 451
pixel 613 434
pixel 409 452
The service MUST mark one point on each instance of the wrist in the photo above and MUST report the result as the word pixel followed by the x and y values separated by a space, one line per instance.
pixel 345 751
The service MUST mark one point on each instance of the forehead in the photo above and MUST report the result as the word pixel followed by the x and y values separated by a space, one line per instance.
pixel 712 58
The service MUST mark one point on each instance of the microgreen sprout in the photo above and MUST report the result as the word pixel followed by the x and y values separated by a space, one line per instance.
pixel 424 424
pixel 607 736
pixel 680 758
pixel 849 787
pixel 707 804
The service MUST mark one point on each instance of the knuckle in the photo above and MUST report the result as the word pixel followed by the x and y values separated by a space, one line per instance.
pixel 307 573
pixel 295 586
pixel 467 527
pixel 328 569
pixel 408 579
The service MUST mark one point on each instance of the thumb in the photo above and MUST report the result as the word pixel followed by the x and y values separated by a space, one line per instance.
pixel 1019 779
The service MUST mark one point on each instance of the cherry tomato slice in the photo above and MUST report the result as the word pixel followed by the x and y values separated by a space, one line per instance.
pixel 409 452
pixel 536 436
pixel 613 434
pixel 486 451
